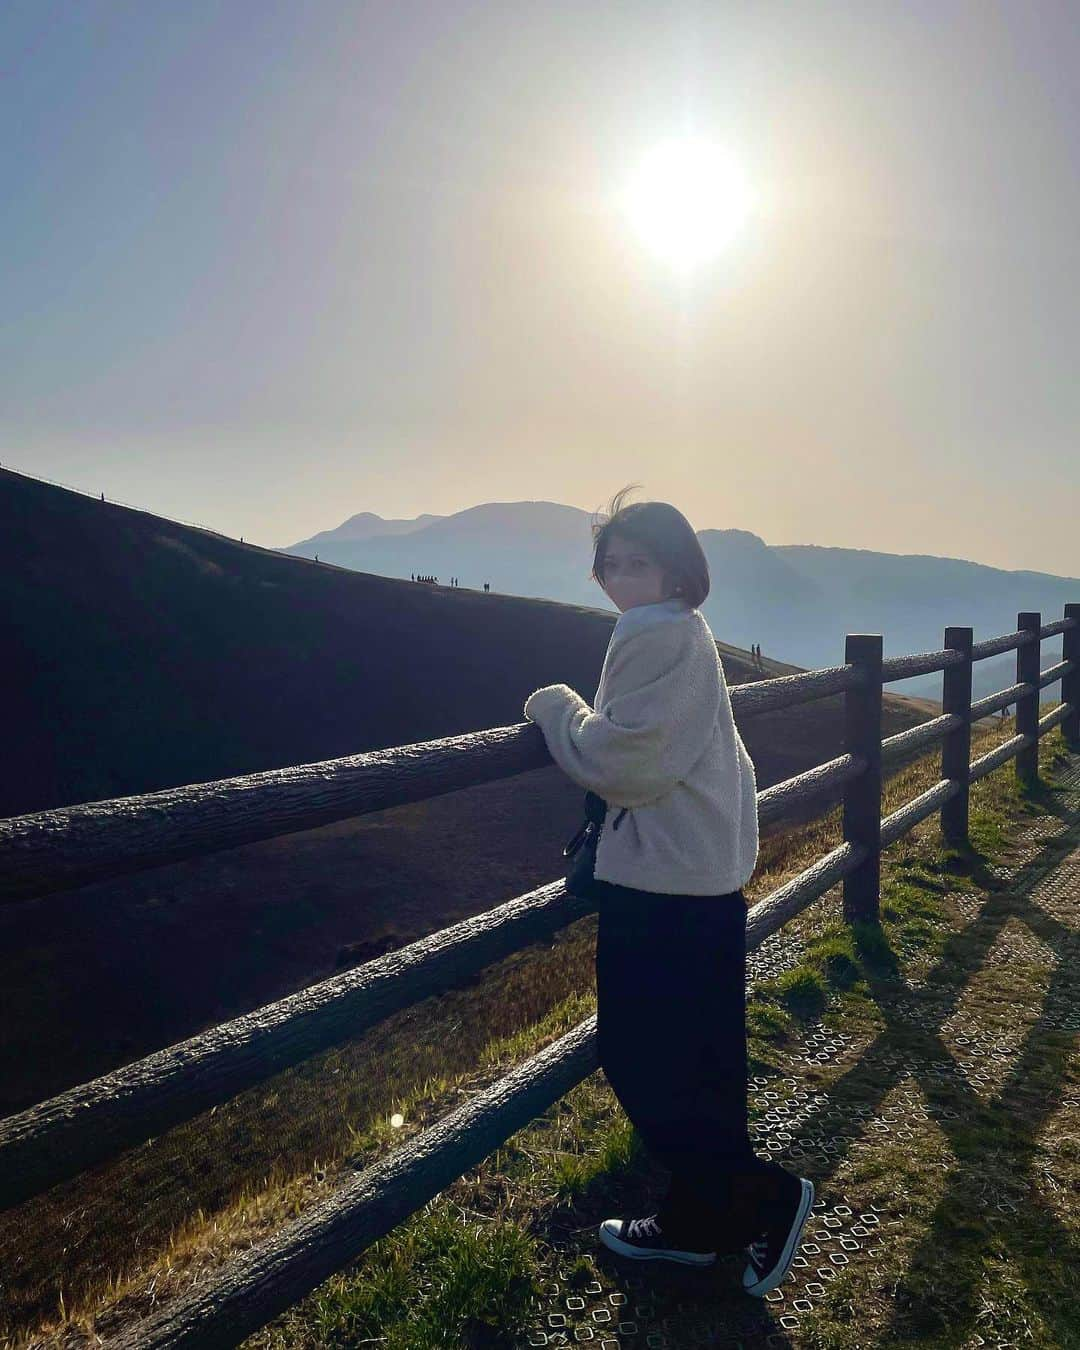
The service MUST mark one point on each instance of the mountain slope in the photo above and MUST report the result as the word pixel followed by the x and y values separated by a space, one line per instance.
pixel 149 654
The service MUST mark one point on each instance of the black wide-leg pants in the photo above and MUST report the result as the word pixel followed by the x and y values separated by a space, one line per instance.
pixel 671 1035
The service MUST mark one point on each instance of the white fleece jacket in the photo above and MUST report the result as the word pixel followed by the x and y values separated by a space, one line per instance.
pixel 662 743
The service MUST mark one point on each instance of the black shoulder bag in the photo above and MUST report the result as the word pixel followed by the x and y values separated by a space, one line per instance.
pixel 581 849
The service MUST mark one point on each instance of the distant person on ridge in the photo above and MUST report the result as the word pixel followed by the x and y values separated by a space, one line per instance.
pixel 660 745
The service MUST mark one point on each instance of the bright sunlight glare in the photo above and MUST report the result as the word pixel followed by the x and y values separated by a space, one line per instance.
pixel 687 200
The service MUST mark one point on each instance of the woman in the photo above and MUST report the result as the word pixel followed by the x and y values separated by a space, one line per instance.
pixel 662 749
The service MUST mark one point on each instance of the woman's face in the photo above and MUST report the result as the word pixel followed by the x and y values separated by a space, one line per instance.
pixel 630 575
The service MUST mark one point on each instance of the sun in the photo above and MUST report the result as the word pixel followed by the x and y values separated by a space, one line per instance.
pixel 688 200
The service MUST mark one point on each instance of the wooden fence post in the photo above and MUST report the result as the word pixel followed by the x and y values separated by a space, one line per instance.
pixel 1070 684
pixel 862 795
pixel 1028 667
pixel 956 745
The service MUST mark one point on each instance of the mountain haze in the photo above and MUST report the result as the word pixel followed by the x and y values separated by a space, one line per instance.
pixel 797 601
pixel 364 525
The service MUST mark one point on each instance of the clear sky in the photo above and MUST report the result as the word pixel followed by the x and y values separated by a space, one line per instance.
pixel 264 265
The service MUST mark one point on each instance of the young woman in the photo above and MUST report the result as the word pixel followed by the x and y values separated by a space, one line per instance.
pixel 678 843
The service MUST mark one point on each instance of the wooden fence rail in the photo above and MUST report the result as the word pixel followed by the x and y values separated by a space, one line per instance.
pixel 52 851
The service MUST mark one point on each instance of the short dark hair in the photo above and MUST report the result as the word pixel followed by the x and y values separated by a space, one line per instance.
pixel 664 532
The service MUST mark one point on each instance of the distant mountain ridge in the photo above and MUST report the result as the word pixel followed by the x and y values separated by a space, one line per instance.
pixel 364 525
pixel 796 600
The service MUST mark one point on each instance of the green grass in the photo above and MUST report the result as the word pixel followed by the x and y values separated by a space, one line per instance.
pixel 435 1283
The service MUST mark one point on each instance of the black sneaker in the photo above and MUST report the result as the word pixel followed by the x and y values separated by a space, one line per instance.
pixel 644 1240
pixel 772 1254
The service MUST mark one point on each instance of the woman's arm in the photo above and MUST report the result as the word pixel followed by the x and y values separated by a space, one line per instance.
pixel 662 696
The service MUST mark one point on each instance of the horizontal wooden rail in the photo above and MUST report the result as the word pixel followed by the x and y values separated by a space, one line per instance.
pixel 61 1137
pixel 925 804
pixel 45 852
pixel 1054 718
pixel 1012 747
pixel 821 786
pixel 1052 674
pixel 1057 626
pixel 1006 643
pixel 925 663
pixel 770 913
pixel 1015 744
pixel 49 851
pixel 921 663
pixel 898 746
pixel 999 755
pixel 1002 698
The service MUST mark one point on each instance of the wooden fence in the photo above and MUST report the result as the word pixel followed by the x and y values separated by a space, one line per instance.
pixel 52 851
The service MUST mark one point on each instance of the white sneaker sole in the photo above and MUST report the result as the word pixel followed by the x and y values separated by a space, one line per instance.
pixel 608 1236
pixel 758 1286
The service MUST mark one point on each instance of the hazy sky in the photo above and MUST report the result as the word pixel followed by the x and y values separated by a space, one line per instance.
pixel 264 265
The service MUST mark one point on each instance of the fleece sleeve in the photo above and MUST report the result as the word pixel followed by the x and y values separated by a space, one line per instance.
pixel 661 699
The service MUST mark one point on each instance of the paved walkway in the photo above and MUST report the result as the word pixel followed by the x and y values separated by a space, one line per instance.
pixel 942 1144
